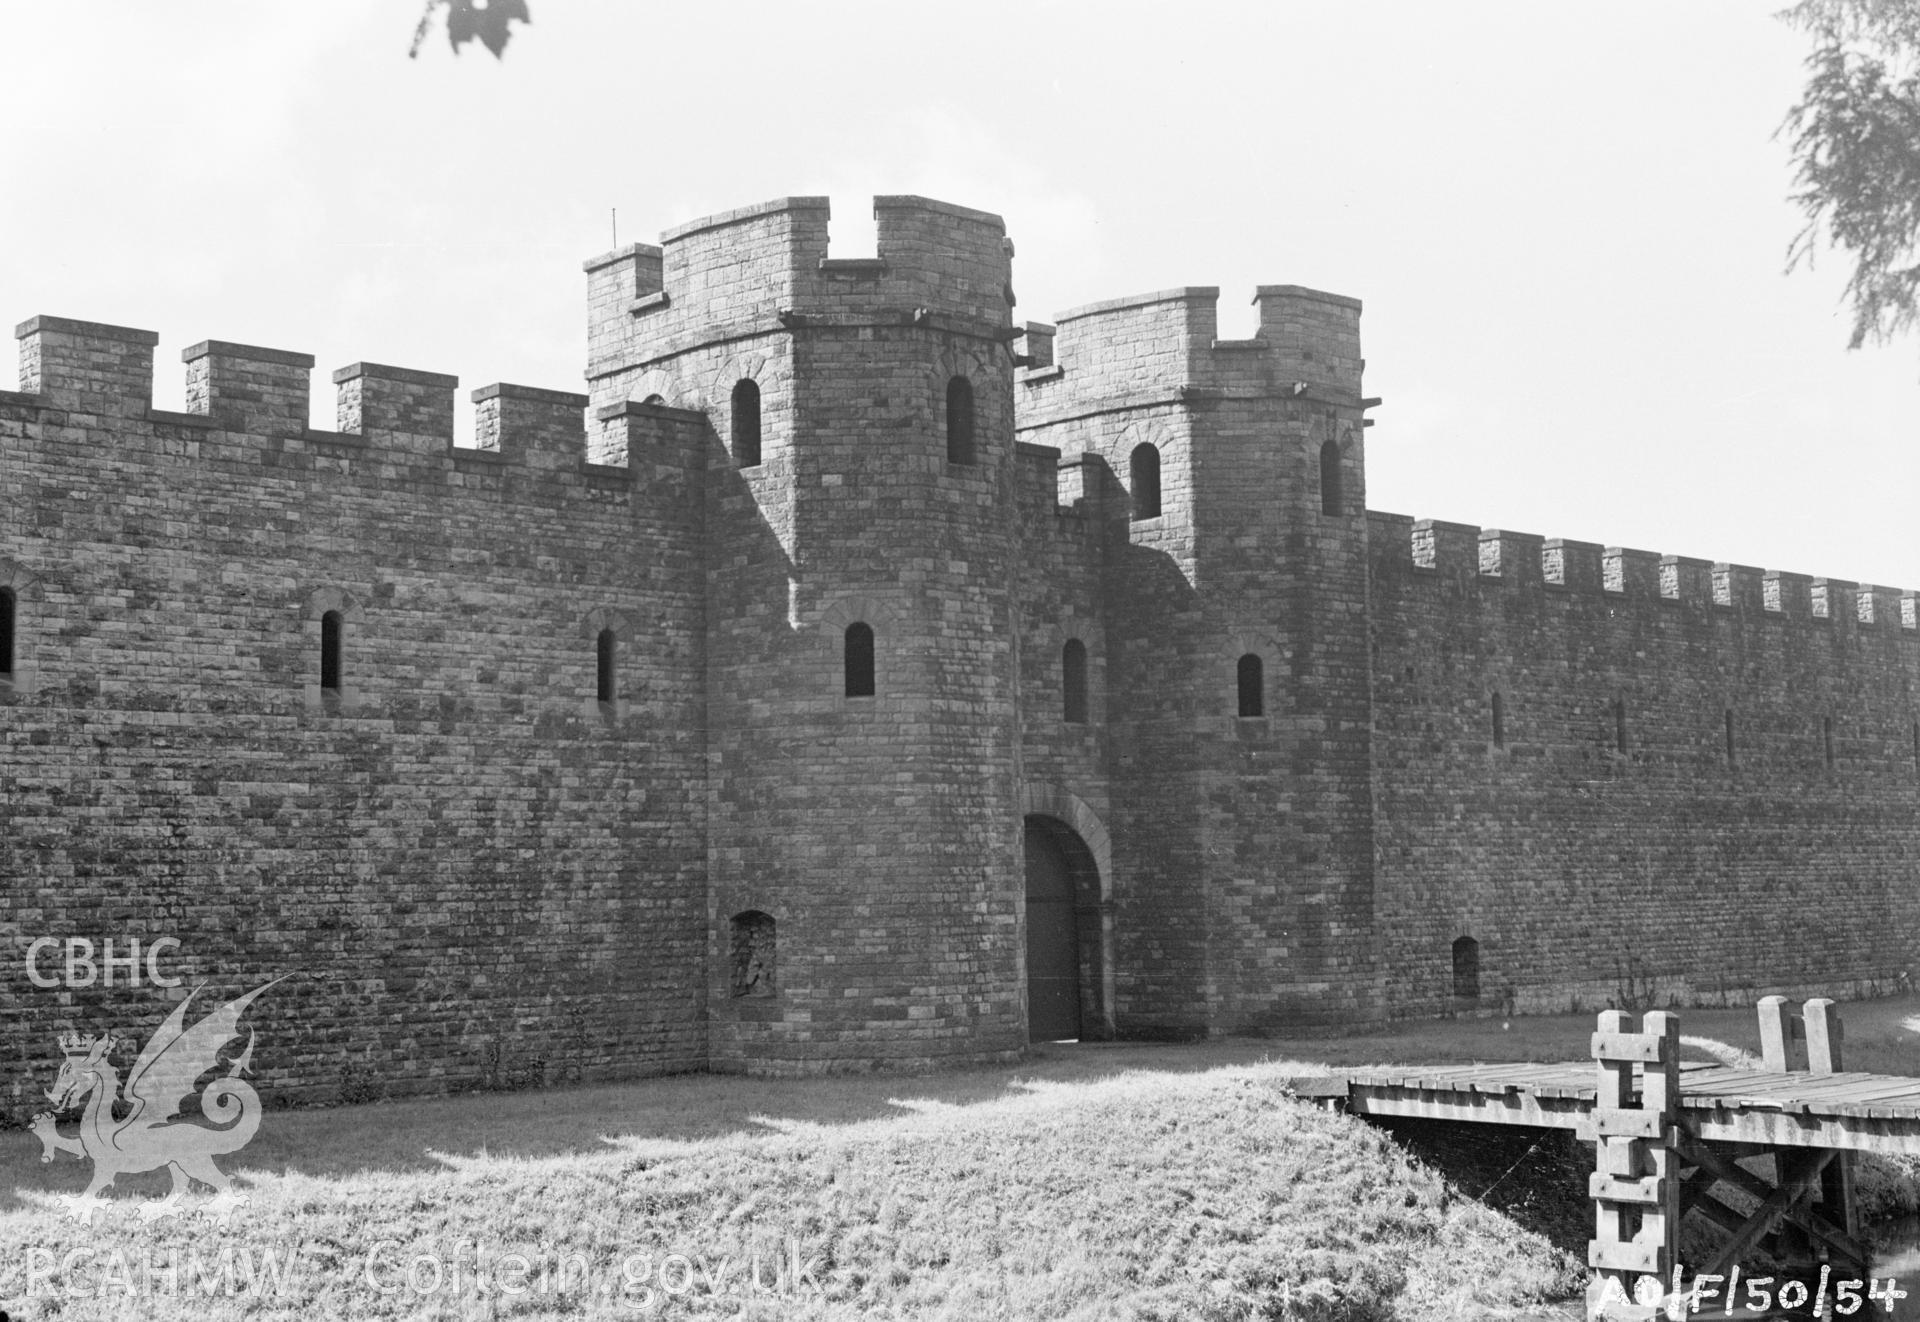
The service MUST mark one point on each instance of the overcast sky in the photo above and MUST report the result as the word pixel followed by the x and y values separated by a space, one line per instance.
pixel 1567 221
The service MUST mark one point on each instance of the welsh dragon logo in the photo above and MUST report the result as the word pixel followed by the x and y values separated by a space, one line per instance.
pixel 148 1136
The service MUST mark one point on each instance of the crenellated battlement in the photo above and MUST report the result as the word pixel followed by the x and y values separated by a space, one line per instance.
pixel 413 410
pixel 1167 344
pixel 87 365
pixel 243 387
pixel 104 370
pixel 767 269
pixel 540 428
pixel 1436 551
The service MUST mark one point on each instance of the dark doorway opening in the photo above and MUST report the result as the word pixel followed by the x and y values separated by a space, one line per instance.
pixel 1063 932
pixel 1466 969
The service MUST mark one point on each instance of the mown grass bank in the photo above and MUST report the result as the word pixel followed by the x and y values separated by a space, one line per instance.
pixel 1207 1195
pixel 1092 1181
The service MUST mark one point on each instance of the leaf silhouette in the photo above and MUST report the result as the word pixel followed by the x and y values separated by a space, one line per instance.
pixel 488 20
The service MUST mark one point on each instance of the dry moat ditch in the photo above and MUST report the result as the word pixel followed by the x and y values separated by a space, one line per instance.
pixel 1537 1178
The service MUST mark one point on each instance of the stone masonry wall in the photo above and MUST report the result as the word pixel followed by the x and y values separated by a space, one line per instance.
pixel 469 870
pixel 1065 516
pixel 879 833
pixel 1625 779
pixel 1243 843
pixel 1743 822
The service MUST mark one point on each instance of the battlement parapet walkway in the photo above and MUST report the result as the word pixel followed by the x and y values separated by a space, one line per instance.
pixel 1669 1135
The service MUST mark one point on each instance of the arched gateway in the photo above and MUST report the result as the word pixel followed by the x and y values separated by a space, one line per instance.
pixel 1064 934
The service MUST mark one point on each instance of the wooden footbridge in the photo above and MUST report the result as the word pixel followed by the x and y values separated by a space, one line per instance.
pixel 1764 1154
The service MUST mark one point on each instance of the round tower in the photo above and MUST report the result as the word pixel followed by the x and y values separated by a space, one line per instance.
pixel 858 531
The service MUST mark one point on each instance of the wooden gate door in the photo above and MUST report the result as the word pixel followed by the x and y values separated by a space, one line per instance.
pixel 1053 942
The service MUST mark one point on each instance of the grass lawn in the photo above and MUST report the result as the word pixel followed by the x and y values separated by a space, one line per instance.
pixel 1090 1182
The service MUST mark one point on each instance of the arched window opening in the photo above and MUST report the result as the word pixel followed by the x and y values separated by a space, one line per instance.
pixel 1073 676
pixel 1499 722
pixel 1144 469
pixel 1252 686
pixel 1730 744
pixel 1332 500
pixel 751 948
pixel 1619 725
pixel 960 421
pixel 607 655
pixel 1826 737
pixel 1466 969
pixel 332 629
pixel 6 633
pixel 859 661
pixel 746 425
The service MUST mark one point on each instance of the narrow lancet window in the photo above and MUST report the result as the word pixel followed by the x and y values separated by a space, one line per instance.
pixel 607 655
pixel 1730 744
pixel 746 425
pixel 1826 737
pixel 960 421
pixel 6 633
pixel 859 661
pixel 1499 722
pixel 1252 685
pixel 332 629
pixel 1144 469
pixel 1332 501
pixel 1620 725
pixel 1073 675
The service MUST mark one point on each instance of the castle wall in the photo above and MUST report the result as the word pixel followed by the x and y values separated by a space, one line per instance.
pixel 1671 870
pixel 479 869
pixel 474 872
pixel 1065 517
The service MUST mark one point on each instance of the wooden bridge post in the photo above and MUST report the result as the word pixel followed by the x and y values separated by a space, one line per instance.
pixel 1824 1033
pixel 1783 1049
pixel 1776 1035
pixel 1635 1185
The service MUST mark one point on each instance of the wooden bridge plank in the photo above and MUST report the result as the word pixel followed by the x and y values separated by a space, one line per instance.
pixel 1807 1085
pixel 1808 1095
pixel 1517 1071
pixel 1693 1075
pixel 1782 1096
pixel 1878 1087
pixel 1751 1083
